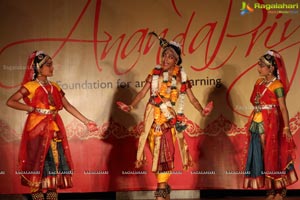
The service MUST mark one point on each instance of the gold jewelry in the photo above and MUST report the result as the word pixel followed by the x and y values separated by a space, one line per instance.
pixel 50 96
pixel 265 61
pixel 43 82
pixel 286 128
pixel 37 195
pixel 51 195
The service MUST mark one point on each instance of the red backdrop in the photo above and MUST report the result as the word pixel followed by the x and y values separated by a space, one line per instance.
pixel 102 53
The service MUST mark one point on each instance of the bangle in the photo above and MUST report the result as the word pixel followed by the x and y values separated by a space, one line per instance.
pixel 286 128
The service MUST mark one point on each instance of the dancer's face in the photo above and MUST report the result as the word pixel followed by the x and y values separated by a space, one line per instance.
pixel 264 69
pixel 47 68
pixel 168 59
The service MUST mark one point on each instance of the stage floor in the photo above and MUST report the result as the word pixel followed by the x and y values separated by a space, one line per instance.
pixel 14 197
pixel 204 195
pixel 10 197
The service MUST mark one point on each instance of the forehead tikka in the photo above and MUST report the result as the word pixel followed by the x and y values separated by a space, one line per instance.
pixel 42 61
pixel 265 61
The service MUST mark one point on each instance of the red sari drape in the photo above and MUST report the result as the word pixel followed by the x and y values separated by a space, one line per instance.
pixel 278 152
pixel 38 132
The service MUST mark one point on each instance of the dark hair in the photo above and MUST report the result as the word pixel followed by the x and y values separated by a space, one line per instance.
pixel 165 44
pixel 175 50
pixel 178 52
pixel 38 62
pixel 271 62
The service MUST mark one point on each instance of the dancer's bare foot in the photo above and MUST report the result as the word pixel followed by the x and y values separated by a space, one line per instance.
pixel 270 197
pixel 162 192
pixel 278 197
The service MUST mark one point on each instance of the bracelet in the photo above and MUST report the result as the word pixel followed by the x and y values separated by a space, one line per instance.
pixel 286 128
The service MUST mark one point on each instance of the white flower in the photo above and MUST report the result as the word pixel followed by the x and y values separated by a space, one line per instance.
pixel 183 76
pixel 175 44
pixel 39 52
pixel 164 105
pixel 270 53
pixel 165 76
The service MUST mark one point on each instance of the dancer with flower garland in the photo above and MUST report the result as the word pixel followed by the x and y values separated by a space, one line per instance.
pixel 44 158
pixel 271 152
pixel 163 123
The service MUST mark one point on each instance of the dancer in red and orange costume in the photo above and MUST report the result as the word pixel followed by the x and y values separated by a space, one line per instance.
pixel 45 162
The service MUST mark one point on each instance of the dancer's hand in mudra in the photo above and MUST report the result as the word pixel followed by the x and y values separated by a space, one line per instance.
pixel 139 163
pixel 208 108
pixel 287 133
pixel 91 126
pixel 124 107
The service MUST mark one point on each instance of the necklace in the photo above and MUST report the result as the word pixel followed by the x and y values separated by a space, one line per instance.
pixel 43 82
pixel 50 96
pixel 166 96
pixel 258 94
pixel 265 81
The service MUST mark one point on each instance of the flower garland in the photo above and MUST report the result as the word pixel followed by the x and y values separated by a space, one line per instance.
pixel 168 90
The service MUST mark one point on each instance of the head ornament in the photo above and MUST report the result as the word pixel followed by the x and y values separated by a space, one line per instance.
pixel 174 46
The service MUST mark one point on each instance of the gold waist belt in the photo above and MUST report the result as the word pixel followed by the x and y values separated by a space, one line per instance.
pixel 258 108
pixel 57 140
pixel 45 111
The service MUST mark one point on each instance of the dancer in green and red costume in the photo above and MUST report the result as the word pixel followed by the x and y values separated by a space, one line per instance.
pixel 271 152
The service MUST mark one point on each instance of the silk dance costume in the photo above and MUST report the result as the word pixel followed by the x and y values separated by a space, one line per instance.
pixel 162 125
pixel 44 146
pixel 44 158
pixel 270 164
pixel 164 120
